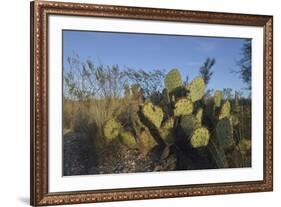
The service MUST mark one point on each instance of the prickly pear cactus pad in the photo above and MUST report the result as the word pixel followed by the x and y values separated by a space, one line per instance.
pixel 183 106
pixel 224 132
pixel 153 113
pixel 168 124
pixel 111 129
pixel 187 123
pixel 217 98
pixel 218 154
pixel 244 146
pixel 147 141
pixel 225 110
pixel 200 137
pixel 128 139
pixel 173 80
pixel 197 89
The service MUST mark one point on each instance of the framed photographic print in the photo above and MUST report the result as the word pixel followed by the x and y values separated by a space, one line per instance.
pixel 133 103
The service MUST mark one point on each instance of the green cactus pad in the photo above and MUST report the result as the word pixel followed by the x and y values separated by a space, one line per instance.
pixel 111 129
pixel 217 98
pixel 183 107
pixel 197 89
pixel 187 123
pixel 198 118
pixel 128 139
pixel 168 124
pixel 153 113
pixel 173 80
pixel 147 141
pixel 225 110
pixel 200 137
pixel 224 132
pixel 218 154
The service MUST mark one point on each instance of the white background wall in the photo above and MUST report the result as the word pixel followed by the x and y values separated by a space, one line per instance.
pixel 14 103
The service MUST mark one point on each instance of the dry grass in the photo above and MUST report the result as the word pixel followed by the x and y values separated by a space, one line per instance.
pixel 89 116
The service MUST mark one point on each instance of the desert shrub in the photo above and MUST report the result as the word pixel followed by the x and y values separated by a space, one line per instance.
pixel 101 111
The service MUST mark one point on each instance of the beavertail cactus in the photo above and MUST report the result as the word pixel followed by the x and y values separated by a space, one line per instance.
pixel 224 132
pixel 153 113
pixel 111 129
pixel 217 98
pixel 128 139
pixel 200 137
pixel 183 106
pixel 225 110
pixel 173 80
pixel 197 89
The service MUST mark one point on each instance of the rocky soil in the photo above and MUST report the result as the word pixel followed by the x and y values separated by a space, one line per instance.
pixel 79 158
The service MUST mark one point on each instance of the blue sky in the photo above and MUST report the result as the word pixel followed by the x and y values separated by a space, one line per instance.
pixel 149 52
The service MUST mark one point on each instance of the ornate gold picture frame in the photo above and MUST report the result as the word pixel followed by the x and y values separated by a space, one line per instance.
pixel 40 194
